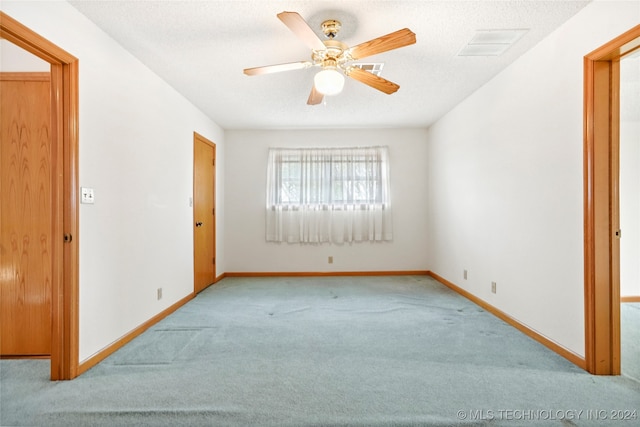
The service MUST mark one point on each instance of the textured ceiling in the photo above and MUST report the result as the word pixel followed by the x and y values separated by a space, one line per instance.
pixel 201 48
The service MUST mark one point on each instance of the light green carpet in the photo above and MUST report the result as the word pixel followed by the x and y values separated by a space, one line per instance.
pixel 350 351
pixel 630 339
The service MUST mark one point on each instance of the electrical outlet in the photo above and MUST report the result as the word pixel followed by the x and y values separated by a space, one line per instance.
pixel 464 274
pixel 159 294
pixel 493 287
pixel 330 260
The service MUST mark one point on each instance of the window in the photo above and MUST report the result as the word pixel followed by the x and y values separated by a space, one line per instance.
pixel 328 195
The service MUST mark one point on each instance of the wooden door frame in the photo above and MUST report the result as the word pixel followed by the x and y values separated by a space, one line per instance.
pixel 601 202
pixel 64 166
pixel 199 138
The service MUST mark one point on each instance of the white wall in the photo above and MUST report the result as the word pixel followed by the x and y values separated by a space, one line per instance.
pixel 630 176
pixel 15 59
pixel 247 250
pixel 136 151
pixel 506 180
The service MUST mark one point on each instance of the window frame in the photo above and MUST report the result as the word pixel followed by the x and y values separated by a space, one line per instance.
pixel 328 196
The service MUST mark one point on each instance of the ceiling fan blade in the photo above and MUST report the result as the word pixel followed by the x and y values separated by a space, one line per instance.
pixel 372 80
pixel 256 71
pixel 391 41
pixel 301 29
pixel 315 97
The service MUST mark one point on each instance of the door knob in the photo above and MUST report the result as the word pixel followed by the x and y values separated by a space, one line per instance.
pixel 198 224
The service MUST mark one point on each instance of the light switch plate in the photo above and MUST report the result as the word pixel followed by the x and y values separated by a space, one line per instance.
pixel 86 195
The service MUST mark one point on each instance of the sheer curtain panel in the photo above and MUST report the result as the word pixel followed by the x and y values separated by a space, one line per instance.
pixel 334 195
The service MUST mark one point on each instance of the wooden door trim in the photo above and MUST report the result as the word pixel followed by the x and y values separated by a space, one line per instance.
pixel 64 162
pixel 28 76
pixel 601 205
pixel 199 138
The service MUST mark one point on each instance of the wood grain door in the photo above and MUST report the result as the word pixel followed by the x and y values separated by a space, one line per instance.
pixel 25 214
pixel 204 226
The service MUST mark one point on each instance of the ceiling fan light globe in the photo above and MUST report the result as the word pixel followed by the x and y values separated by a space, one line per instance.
pixel 329 82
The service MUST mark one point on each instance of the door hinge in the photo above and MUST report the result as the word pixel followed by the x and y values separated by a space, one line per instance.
pixel 67 238
pixel 619 233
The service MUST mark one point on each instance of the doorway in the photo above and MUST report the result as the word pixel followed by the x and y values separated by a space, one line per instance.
pixel 64 197
pixel 601 202
pixel 204 212
pixel 630 215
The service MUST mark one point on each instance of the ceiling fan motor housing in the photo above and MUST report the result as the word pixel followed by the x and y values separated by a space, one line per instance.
pixel 334 55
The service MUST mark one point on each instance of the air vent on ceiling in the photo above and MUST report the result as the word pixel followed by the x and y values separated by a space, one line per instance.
pixel 491 42
pixel 373 68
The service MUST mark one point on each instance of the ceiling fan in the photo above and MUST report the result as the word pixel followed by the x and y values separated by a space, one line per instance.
pixel 335 58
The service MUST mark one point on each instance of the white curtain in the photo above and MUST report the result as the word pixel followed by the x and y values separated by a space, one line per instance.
pixel 337 195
